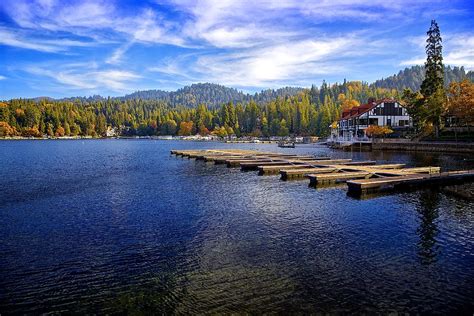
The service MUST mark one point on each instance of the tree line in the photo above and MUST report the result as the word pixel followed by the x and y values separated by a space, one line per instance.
pixel 309 112
pixel 213 95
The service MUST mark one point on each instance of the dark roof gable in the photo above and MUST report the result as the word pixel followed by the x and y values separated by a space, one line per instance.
pixel 357 111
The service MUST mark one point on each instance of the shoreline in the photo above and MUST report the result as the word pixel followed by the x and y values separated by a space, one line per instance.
pixel 406 146
pixel 401 146
pixel 441 147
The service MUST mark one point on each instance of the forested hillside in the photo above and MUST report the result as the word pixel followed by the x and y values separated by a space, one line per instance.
pixel 204 108
pixel 212 95
pixel 309 112
pixel 413 77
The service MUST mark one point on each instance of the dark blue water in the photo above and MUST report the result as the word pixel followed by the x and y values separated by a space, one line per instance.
pixel 123 226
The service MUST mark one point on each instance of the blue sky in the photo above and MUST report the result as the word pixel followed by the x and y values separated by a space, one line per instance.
pixel 79 48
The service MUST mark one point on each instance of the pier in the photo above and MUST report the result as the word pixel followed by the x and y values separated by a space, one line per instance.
pixel 361 177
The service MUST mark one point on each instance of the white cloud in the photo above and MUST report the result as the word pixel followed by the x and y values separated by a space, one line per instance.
pixel 87 18
pixel 460 51
pixel 14 39
pixel 292 62
pixel 23 39
pixel 86 77
pixel 243 23
pixel 2 77
pixel 117 55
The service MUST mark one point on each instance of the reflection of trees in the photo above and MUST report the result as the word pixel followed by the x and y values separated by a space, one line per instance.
pixel 428 230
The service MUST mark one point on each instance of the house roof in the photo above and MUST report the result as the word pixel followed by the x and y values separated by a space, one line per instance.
pixel 357 111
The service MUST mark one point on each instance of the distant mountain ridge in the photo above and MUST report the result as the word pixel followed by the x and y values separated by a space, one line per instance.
pixel 210 94
pixel 214 95
pixel 413 77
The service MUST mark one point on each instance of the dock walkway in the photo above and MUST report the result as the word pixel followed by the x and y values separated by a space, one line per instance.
pixel 361 176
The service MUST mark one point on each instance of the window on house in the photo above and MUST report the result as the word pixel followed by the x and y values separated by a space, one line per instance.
pixel 363 121
pixel 404 123
pixel 389 109
pixel 374 121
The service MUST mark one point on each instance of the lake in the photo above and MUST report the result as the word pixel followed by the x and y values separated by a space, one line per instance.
pixel 122 226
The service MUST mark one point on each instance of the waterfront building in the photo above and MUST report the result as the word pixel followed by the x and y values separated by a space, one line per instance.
pixel 385 112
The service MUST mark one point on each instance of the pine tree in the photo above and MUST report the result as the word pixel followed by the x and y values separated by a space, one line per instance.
pixel 432 87
pixel 434 62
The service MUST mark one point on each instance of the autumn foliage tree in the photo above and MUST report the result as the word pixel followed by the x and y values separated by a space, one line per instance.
pixel 185 128
pixel 31 132
pixel 220 131
pixel 203 130
pixel 60 132
pixel 7 130
pixel 461 102
pixel 347 103
pixel 378 131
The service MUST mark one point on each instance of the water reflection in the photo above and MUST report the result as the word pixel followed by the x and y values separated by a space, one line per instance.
pixel 427 209
pixel 121 227
pixel 160 294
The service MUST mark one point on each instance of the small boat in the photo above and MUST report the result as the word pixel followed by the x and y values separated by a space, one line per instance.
pixel 286 144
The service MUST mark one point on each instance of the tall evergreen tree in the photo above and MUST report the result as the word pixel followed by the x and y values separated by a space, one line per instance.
pixel 427 107
pixel 434 62
pixel 432 87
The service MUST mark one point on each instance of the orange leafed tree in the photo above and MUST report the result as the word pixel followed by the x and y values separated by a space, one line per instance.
pixel 346 103
pixel 378 131
pixel 349 104
pixel 7 130
pixel 461 101
pixel 185 128
pixel 60 131
pixel 203 131
pixel 31 132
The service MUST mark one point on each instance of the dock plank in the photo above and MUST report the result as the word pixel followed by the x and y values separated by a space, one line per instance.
pixel 376 184
pixel 287 174
pixel 336 177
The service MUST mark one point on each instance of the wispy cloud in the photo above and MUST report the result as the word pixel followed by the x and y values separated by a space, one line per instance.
pixel 2 77
pixel 246 23
pixel 86 76
pixel 294 61
pixel 461 52
pixel 86 18
pixel 118 54
pixel 273 64
pixel 24 39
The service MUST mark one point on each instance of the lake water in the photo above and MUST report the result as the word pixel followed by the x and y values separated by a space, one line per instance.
pixel 123 226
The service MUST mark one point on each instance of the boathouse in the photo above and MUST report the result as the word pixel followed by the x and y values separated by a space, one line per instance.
pixel 386 112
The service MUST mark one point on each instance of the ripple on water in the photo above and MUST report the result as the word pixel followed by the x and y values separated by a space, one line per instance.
pixel 120 226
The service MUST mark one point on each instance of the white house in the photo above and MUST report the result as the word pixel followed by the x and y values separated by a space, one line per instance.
pixel 386 112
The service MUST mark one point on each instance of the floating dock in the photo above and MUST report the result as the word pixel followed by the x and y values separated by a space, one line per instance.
pixel 362 177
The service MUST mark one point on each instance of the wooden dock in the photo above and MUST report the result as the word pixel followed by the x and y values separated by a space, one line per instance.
pixel 361 176
pixel 359 187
